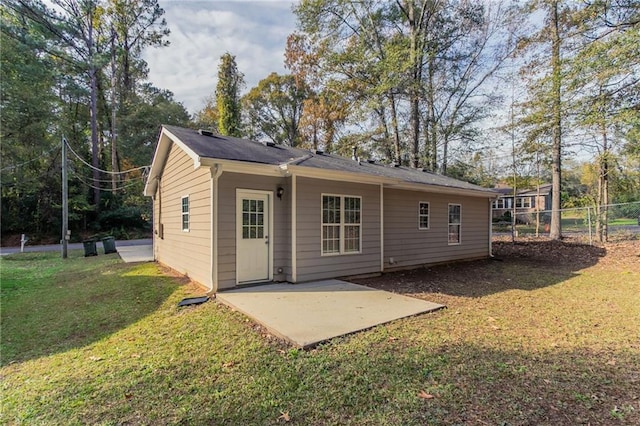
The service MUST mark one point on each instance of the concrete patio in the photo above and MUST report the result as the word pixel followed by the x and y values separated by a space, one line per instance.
pixel 310 313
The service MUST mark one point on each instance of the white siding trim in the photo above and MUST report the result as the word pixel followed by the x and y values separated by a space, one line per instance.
pixel 216 171
pixel 490 228
pixel 294 226
pixel 381 227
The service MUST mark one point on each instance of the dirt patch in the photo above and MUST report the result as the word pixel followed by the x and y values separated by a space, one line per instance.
pixel 551 261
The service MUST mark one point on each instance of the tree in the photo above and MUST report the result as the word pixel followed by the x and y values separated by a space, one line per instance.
pixel 70 54
pixel 30 155
pixel 273 109
pixel 605 76
pixel 545 111
pixel 230 83
pixel 418 69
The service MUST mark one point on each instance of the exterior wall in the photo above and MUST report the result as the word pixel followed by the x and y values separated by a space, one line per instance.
pixel 227 185
pixel 311 264
pixel 188 252
pixel 410 246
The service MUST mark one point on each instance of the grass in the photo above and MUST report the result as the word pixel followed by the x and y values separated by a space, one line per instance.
pixel 95 341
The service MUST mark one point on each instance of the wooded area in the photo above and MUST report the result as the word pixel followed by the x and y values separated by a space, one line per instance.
pixel 488 92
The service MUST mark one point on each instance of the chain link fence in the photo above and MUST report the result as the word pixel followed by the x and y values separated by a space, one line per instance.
pixel 613 222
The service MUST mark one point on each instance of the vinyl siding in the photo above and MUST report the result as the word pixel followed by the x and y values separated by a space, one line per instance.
pixel 311 264
pixel 410 246
pixel 187 252
pixel 227 185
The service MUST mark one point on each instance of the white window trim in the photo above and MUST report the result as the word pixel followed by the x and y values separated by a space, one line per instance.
pixel 420 203
pixel 459 224
pixel 188 213
pixel 342 225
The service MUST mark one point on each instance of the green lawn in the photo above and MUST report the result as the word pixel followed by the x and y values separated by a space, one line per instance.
pixel 95 341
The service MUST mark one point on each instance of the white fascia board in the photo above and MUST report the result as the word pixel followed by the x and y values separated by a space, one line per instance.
pixel 421 187
pixel 231 166
pixel 326 174
pixel 160 156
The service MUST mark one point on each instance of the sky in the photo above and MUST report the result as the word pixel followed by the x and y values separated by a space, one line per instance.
pixel 255 32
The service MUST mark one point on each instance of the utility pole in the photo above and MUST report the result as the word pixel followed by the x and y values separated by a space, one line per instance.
pixel 65 200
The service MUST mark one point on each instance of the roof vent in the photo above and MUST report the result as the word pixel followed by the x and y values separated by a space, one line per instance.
pixel 319 152
pixel 371 161
pixel 270 143
pixel 206 132
pixel 394 164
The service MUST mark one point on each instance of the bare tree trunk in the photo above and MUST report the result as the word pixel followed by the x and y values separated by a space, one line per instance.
pixel 114 153
pixel 93 77
pixel 556 150
pixel 396 132
pixel 604 182
pixel 414 98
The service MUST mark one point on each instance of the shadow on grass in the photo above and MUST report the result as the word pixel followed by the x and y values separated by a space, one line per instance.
pixel 520 265
pixel 51 305
pixel 361 382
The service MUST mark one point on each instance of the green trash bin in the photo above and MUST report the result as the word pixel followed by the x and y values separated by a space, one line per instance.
pixel 90 248
pixel 109 244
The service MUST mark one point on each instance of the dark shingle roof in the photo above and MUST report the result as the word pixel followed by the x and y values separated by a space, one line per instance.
pixel 235 149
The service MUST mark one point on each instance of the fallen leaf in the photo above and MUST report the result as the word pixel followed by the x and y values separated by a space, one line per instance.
pixel 229 364
pixel 611 362
pixel 128 395
pixel 284 415
pixel 95 358
pixel 135 356
pixel 422 394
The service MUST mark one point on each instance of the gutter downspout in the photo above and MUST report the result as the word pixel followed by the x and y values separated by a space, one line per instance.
pixel 491 226
pixel 294 231
pixel 216 171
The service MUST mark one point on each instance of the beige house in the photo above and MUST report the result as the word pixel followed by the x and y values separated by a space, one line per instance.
pixel 229 212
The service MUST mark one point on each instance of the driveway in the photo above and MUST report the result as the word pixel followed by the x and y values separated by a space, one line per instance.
pixel 310 313
pixel 129 250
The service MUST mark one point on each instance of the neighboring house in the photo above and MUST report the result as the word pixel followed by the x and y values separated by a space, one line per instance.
pixel 527 203
pixel 230 211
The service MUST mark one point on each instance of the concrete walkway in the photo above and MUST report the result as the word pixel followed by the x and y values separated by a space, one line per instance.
pixel 140 253
pixel 310 313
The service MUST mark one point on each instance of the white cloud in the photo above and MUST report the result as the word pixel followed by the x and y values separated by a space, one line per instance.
pixel 202 31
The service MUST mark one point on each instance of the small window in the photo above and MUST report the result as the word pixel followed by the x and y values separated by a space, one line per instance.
pixel 185 213
pixel 523 202
pixel 423 215
pixel 341 224
pixel 455 216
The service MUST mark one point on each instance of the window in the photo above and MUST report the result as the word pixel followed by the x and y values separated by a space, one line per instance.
pixel 341 224
pixel 523 202
pixel 502 203
pixel 423 215
pixel 455 215
pixel 185 213
pixel 252 219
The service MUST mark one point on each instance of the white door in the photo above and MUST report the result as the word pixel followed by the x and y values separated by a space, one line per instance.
pixel 253 239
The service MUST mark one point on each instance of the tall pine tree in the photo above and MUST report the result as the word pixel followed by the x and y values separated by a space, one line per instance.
pixel 230 82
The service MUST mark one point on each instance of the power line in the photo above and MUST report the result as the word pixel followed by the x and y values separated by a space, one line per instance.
pixel 103 189
pixel 100 170
pixel 30 161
